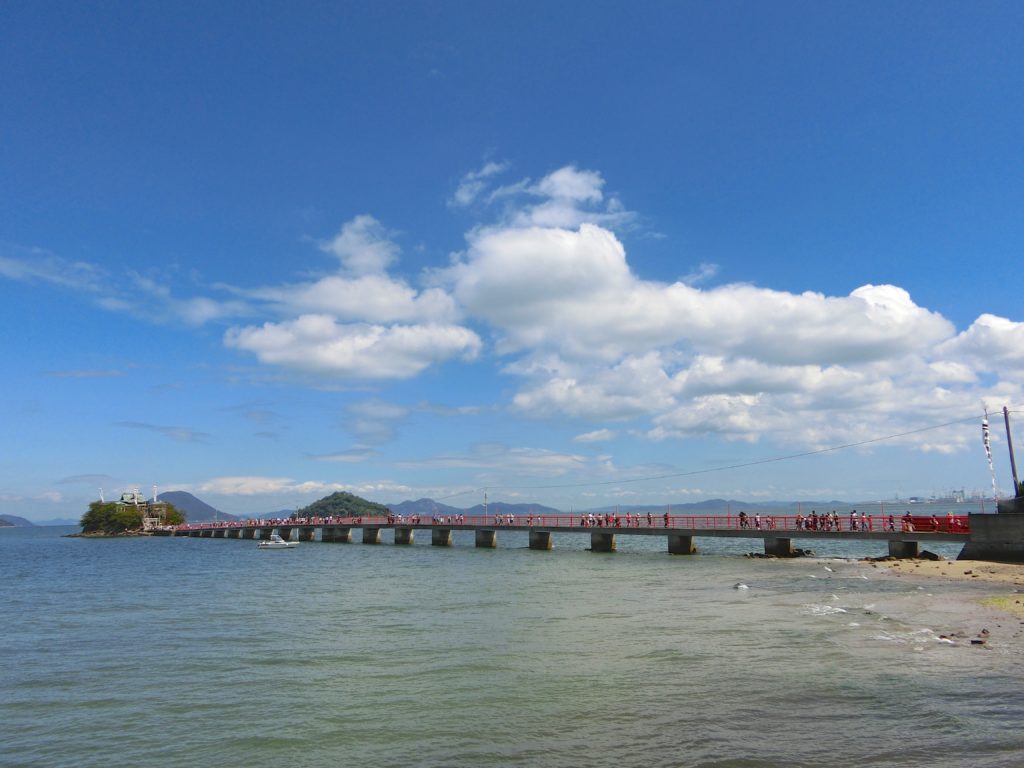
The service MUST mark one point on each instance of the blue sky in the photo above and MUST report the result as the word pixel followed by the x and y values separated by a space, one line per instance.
pixel 267 251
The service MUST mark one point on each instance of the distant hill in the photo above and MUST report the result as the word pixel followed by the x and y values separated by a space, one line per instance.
pixel 195 510
pixel 58 521
pixel 429 507
pixel 424 508
pixel 343 504
pixel 503 508
pixel 13 520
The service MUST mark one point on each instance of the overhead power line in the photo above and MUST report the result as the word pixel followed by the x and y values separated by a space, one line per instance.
pixel 724 468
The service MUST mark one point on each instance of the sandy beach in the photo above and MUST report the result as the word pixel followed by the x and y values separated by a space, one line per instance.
pixel 957 570
pixel 1007 579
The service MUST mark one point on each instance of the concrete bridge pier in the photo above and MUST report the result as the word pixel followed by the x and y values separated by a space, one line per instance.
pixel 441 537
pixel 247 533
pixel 403 535
pixel 903 549
pixel 263 534
pixel 337 535
pixel 486 538
pixel 218 533
pixel 371 535
pixel 206 533
pixel 602 542
pixel 540 539
pixel 306 533
pixel 285 533
pixel 680 544
pixel 779 547
pixel 234 533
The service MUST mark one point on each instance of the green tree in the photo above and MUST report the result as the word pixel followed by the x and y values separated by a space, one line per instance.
pixel 173 516
pixel 110 517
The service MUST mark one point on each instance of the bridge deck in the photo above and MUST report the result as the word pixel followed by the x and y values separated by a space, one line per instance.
pixel 876 528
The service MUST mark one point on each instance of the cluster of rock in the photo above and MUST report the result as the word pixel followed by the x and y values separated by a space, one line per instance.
pixel 797 552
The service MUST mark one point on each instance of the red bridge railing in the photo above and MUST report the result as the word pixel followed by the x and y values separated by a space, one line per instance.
pixel 769 524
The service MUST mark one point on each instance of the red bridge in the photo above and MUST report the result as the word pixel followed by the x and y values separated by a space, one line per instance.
pixel 903 533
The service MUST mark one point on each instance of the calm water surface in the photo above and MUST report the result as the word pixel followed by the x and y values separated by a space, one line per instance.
pixel 186 652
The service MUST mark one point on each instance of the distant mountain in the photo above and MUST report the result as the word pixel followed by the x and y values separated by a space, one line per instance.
pixel 59 521
pixel 195 510
pixel 424 508
pixel 14 520
pixel 429 508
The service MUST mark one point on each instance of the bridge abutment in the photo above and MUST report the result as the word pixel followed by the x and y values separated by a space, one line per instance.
pixel 998 538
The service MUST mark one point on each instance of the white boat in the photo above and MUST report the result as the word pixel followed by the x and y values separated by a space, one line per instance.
pixel 276 542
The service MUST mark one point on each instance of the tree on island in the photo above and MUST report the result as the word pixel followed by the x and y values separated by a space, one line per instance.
pixel 112 518
pixel 343 504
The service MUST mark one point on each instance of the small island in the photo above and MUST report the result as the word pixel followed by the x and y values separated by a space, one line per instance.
pixel 131 515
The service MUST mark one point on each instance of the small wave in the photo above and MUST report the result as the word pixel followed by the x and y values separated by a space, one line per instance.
pixel 824 610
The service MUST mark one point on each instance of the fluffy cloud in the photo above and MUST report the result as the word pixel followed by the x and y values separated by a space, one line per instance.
pixel 360 323
pixel 592 340
pixel 367 298
pixel 320 344
pixel 989 344
pixel 573 290
pixel 363 246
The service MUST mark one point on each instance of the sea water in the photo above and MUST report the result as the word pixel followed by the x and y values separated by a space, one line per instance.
pixel 209 652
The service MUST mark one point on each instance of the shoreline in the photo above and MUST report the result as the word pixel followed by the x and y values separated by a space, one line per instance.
pixel 1006 579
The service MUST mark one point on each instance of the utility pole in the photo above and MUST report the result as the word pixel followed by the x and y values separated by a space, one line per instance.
pixel 1009 444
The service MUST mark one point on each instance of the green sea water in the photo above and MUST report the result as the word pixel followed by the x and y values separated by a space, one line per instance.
pixel 196 652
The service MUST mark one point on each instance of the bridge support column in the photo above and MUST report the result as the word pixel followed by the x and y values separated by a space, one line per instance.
pixel 540 539
pixel 778 547
pixel 678 544
pixel 371 535
pixel 441 537
pixel 340 535
pixel 486 538
pixel 206 533
pixel 218 533
pixel 285 533
pixel 903 549
pixel 306 533
pixel 602 542
pixel 263 534
pixel 247 533
pixel 403 535
pixel 234 533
